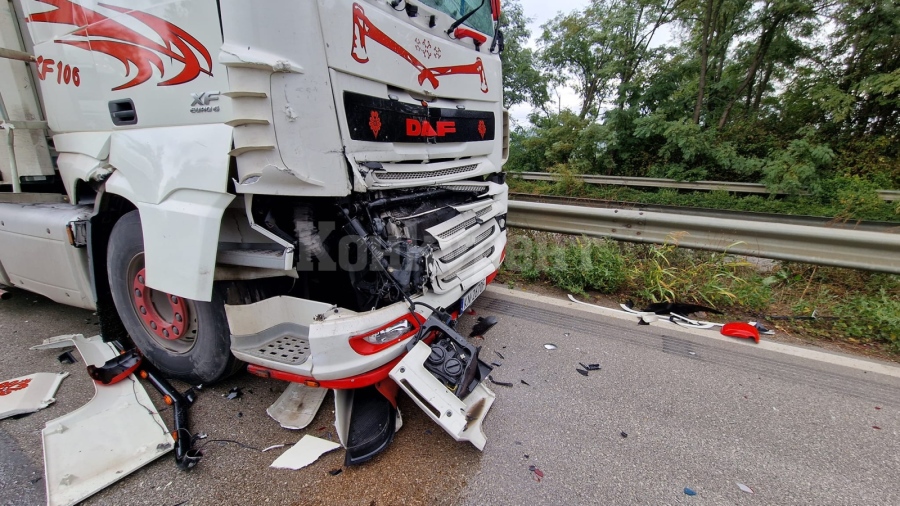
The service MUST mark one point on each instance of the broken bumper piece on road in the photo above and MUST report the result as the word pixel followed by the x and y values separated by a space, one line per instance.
pixel 461 418
pixel 116 433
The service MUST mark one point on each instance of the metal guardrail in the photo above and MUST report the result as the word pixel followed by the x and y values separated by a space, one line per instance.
pixel 857 249
pixel 702 212
pixel 652 182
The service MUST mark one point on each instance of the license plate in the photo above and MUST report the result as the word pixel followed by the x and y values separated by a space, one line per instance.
pixel 471 295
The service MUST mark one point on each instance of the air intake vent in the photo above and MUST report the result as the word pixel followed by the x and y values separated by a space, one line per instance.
pixel 398 176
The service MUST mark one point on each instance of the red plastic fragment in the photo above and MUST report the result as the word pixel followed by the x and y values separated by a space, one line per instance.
pixel 740 330
pixel 876 427
pixel 536 474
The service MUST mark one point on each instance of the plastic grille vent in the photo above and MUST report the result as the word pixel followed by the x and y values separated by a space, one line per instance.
pixel 465 188
pixel 484 235
pixel 458 252
pixel 470 263
pixel 395 176
pixel 288 349
pixel 481 212
pixel 455 230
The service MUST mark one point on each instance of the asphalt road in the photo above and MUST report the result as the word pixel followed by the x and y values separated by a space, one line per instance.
pixel 698 412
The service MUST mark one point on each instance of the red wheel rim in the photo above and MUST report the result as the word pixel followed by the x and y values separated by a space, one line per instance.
pixel 170 327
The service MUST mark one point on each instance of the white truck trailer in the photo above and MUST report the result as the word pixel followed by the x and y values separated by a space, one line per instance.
pixel 312 188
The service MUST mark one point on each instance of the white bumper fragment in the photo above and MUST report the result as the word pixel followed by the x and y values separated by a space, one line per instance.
pixel 461 418
pixel 116 433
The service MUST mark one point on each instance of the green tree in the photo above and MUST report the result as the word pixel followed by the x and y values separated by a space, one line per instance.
pixel 523 81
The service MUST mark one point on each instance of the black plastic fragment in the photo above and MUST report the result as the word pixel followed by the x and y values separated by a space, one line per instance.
pixel 500 355
pixel 663 308
pixel 764 330
pixel 115 369
pixel 335 472
pixel 623 434
pixel 525 382
pixel 496 364
pixel 590 367
pixel 581 372
pixel 483 324
pixel 66 357
pixel 371 429
pixel 501 383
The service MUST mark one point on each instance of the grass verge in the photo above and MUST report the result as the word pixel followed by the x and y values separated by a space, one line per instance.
pixel 855 309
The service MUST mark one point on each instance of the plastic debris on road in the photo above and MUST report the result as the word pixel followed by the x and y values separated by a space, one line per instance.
pixel 116 433
pixel 297 406
pixel 335 472
pixel 581 372
pixel 501 383
pixel 689 491
pixel 483 325
pixel 304 452
pixel 550 346
pixel 536 474
pixel 740 330
pixel 623 434
pixel 590 367
pixel 66 357
pixel 28 394
pixel 234 393
pixel 500 355
pixel 744 488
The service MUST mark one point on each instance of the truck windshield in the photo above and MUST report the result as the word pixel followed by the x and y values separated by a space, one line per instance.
pixel 481 20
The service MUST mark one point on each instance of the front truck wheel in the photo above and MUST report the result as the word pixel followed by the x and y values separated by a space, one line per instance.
pixel 186 339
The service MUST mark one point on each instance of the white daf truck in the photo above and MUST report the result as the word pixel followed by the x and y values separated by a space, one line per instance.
pixel 312 188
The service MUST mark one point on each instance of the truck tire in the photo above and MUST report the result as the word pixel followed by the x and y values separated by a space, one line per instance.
pixel 186 339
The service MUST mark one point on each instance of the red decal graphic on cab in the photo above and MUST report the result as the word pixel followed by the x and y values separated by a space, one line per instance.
pixel 363 29
pixel 8 387
pixel 375 123
pixel 104 35
pixel 481 128
pixel 416 128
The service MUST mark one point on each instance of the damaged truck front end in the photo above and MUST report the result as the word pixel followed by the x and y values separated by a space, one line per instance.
pixel 384 268
pixel 412 259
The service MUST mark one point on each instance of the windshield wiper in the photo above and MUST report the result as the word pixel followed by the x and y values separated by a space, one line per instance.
pixel 464 18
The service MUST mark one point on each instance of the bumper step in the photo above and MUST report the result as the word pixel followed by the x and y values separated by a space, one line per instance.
pixel 282 345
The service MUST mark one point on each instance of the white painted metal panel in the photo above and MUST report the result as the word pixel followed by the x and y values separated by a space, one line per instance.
pixel 36 255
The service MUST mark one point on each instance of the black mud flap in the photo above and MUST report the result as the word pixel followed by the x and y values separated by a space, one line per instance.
pixel 372 425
